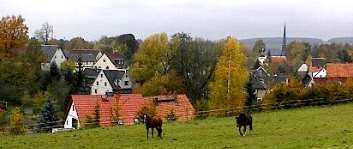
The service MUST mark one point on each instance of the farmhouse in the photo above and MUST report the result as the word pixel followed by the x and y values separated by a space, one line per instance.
pixel 123 108
pixel 336 73
pixel 118 108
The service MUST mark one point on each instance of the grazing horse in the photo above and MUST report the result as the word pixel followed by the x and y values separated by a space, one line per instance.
pixel 244 120
pixel 153 122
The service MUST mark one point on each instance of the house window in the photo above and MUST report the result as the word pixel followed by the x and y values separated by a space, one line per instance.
pixel 97 83
pixel 103 60
pixel 101 75
pixel 62 56
pixel 95 91
pixel 107 67
pixel 73 107
pixel 55 57
pixel 105 83
pixel 126 82
pixel 67 122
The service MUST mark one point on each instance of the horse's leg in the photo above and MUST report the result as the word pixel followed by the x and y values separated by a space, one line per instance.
pixel 160 132
pixel 244 130
pixel 240 131
pixel 147 132
pixel 152 131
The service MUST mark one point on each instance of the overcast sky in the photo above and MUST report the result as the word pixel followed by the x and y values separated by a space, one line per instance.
pixel 211 19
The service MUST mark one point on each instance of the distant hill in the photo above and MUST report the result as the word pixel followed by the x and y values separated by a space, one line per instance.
pixel 275 43
pixel 341 40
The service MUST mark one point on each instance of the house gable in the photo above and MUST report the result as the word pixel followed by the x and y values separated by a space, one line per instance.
pixel 58 58
pixel 72 114
pixel 125 82
pixel 101 85
pixel 105 63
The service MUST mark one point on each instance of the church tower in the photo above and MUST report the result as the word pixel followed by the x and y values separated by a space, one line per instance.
pixel 284 42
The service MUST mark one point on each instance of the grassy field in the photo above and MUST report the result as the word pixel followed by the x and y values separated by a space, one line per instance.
pixel 311 127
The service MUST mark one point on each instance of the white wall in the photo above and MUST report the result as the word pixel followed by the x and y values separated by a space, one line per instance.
pixel 320 74
pixel 103 85
pixel 58 58
pixel 105 63
pixel 123 79
pixel 72 114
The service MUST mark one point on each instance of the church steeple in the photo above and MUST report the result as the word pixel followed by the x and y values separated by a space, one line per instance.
pixel 284 42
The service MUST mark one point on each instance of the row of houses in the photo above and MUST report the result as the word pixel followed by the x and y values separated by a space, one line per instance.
pixel 319 71
pixel 105 72
pixel 122 109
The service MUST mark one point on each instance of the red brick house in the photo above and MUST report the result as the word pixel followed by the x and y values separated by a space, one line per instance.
pixel 123 108
pixel 337 73
pixel 83 106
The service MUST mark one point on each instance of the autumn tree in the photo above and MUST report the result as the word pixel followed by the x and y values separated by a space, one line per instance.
pixel 231 75
pixel 13 36
pixel 45 33
pixel 153 69
pixel 295 53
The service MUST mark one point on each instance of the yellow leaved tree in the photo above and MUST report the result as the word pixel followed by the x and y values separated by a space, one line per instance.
pixel 227 89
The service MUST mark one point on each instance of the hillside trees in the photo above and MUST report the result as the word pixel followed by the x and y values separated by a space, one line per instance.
pixel 195 61
pixel 125 44
pixel 227 89
pixel 152 61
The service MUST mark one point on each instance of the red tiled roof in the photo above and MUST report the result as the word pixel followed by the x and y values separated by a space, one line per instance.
pixel 278 59
pixel 339 70
pixel 180 104
pixel 127 104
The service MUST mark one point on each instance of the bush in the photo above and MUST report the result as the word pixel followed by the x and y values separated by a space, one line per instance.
pixel 16 122
pixel 93 121
pixel 171 116
pixel 148 109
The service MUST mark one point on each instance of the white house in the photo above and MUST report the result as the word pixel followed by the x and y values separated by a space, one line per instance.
pixel 53 55
pixel 111 81
pixel 101 85
pixel 105 63
pixel 88 57
pixel 319 73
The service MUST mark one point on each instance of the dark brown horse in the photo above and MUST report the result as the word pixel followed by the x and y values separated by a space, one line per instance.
pixel 153 122
pixel 244 120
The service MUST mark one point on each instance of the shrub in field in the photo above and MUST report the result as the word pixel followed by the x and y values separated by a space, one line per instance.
pixel 47 118
pixel 148 109
pixel 16 122
pixel 93 121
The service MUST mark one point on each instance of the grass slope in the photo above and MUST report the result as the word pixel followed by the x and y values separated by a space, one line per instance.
pixel 312 127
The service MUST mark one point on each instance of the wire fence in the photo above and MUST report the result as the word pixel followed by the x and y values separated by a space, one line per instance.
pixel 34 126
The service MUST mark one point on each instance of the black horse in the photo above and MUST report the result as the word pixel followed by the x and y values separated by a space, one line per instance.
pixel 244 120
pixel 153 122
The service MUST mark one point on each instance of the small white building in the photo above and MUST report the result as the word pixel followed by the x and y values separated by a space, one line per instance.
pixel 111 81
